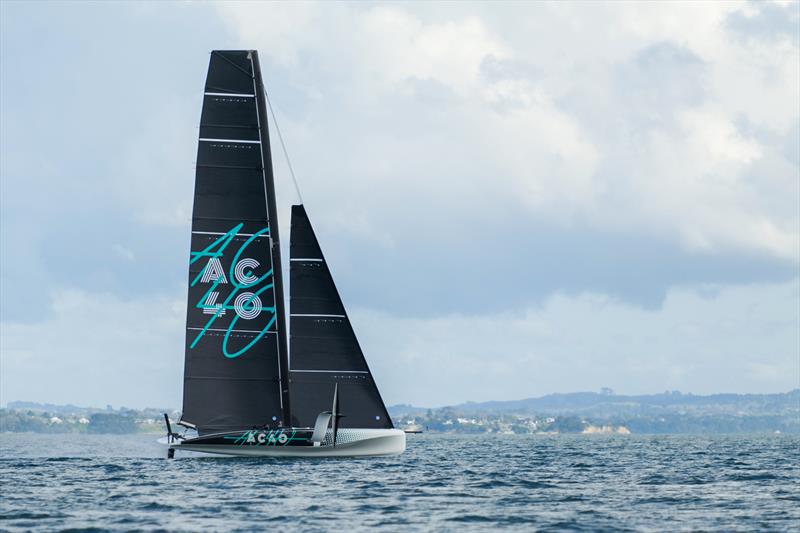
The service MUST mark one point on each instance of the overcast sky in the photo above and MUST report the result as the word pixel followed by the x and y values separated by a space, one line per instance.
pixel 515 199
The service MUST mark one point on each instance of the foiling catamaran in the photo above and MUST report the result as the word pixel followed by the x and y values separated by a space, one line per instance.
pixel 243 394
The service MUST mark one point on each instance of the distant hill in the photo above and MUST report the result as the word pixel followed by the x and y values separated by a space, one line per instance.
pixel 48 407
pixel 69 409
pixel 579 412
pixel 610 404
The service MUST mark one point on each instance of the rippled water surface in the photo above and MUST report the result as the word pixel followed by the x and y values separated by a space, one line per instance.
pixel 440 483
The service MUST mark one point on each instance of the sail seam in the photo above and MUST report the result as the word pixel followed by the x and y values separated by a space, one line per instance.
pixel 235 95
pixel 256 235
pixel 332 371
pixel 231 141
pixel 233 330
pixel 323 316
pixel 197 217
pixel 218 378
pixel 236 167
pixel 238 126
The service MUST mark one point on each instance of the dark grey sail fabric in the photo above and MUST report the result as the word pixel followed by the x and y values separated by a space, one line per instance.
pixel 323 347
pixel 233 332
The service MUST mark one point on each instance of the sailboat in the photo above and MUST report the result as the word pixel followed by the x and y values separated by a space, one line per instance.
pixel 248 390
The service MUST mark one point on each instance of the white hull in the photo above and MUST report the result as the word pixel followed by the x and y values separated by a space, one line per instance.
pixel 354 443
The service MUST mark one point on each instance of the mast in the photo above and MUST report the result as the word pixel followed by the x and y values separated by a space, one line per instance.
pixel 269 184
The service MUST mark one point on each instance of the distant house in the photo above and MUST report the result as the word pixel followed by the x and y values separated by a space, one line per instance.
pixel 55 420
pixel 83 420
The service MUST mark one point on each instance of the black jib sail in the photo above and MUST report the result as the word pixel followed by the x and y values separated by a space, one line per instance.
pixel 324 348
pixel 235 329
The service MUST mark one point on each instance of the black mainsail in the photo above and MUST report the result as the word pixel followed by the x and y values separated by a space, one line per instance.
pixel 324 348
pixel 236 352
pixel 237 372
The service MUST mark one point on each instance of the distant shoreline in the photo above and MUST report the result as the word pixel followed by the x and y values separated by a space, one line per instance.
pixel 670 413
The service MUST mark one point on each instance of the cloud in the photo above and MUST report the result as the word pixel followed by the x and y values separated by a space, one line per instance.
pixel 638 132
pixel 123 252
pixel 768 21
pixel 94 346
pixel 97 148
pixel 704 339
pixel 462 164
pixel 625 160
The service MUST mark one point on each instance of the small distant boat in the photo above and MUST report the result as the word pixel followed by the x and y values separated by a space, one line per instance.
pixel 247 391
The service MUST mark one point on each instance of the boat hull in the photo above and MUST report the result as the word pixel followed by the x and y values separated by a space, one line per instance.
pixel 297 443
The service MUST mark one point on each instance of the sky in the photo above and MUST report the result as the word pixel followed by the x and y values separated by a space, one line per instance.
pixel 514 199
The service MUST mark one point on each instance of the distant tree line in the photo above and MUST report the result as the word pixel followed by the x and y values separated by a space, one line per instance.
pixel 18 421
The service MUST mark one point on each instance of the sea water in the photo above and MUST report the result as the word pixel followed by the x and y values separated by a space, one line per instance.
pixel 442 482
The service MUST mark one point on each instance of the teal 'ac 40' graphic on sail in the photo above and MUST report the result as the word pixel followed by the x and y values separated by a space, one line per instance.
pixel 238 290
